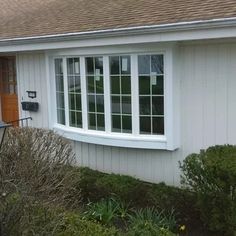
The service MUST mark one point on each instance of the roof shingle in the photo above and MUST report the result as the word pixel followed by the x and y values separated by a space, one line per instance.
pixel 25 18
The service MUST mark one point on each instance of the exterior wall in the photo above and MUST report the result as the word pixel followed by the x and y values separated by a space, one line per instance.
pixel 31 76
pixel 207 112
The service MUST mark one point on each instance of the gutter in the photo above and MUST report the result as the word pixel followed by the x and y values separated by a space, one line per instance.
pixel 173 27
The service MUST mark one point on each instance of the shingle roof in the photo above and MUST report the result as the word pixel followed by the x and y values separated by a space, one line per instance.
pixel 24 18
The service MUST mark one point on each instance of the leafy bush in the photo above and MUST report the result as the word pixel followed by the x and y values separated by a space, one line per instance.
pixel 212 175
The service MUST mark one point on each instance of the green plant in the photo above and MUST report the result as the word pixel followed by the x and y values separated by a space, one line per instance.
pixel 138 194
pixel 104 211
pixel 150 217
pixel 212 176
pixel 72 224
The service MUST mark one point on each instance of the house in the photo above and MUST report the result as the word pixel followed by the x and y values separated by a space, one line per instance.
pixel 136 85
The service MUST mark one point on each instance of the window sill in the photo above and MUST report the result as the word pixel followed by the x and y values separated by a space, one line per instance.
pixel 112 139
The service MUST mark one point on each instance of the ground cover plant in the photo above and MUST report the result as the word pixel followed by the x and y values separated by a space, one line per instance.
pixel 42 192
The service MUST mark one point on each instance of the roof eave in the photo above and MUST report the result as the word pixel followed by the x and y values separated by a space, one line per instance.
pixel 182 26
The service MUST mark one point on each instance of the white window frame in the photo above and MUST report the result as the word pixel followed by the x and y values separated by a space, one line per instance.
pixel 168 141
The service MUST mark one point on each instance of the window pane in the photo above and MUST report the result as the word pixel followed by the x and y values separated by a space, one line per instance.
pixel 126 105
pixel 115 104
pixel 90 86
pixel 61 116
pixel 72 101
pixel 70 66
pixel 100 122
pixel 91 102
pixel 144 64
pixel 158 125
pixel 78 102
pixel 157 64
pixel 144 85
pixel 60 100
pixel 76 66
pixel 77 84
pixel 71 84
pixel 92 121
pixel 114 66
pixel 59 83
pixel 115 84
pixel 100 103
pixel 158 105
pixel 145 105
pixel 79 119
pixel 99 84
pixel 95 94
pixel 72 119
pixel 125 65
pixel 116 123
pixel 89 65
pixel 158 88
pixel 58 66
pixel 125 85
pixel 99 65
pixel 145 125
pixel 127 124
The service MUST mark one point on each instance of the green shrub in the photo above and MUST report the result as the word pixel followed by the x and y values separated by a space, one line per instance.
pixel 72 224
pixel 138 194
pixel 212 175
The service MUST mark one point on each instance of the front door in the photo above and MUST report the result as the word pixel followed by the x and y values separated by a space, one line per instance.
pixel 8 89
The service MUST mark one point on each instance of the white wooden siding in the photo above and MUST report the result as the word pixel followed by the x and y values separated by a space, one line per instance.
pixel 31 76
pixel 207 109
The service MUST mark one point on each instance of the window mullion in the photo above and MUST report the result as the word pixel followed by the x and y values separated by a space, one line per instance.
pixel 107 94
pixel 66 92
pixel 135 94
pixel 84 93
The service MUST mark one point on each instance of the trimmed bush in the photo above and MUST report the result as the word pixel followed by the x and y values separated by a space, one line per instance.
pixel 138 194
pixel 212 176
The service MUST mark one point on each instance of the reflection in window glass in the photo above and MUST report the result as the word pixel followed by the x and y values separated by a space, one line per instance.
pixel 95 93
pixel 60 91
pixel 74 92
pixel 151 94
pixel 120 79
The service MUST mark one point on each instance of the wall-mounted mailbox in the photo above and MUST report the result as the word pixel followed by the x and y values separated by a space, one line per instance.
pixel 30 106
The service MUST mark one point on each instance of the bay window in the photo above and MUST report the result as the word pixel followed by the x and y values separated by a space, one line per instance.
pixel 115 100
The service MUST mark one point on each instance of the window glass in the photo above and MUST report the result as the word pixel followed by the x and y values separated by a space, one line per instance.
pixel 95 93
pixel 60 91
pixel 120 80
pixel 151 94
pixel 74 92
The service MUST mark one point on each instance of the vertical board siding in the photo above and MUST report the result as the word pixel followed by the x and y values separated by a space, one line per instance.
pixel 207 75
pixel 31 75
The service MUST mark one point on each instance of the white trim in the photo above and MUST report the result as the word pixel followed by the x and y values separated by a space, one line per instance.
pixel 135 93
pixel 107 96
pixel 66 95
pixel 83 94
pixel 113 139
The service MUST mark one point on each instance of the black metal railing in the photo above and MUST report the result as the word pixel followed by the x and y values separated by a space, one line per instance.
pixel 23 122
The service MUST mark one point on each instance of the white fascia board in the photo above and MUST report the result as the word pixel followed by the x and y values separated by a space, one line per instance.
pixel 214 29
